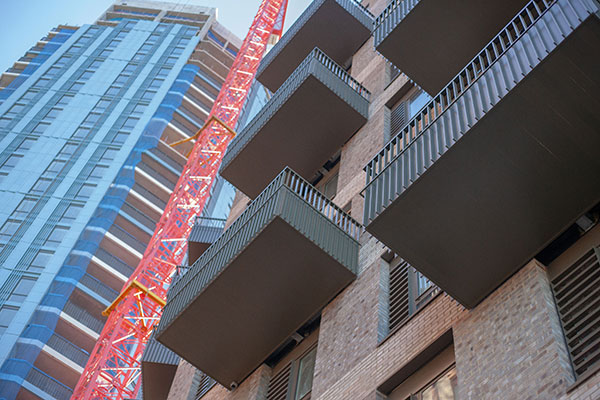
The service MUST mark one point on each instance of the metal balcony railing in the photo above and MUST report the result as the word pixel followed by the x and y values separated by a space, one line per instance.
pixel 99 287
pixel 138 216
pixel 389 18
pixel 68 349
pixel 127 238
pixel 114 262
pixel 84 317
pixel 247 225
pixel 440 104
pixel 319 64
pixel 48 384
pixel 157 201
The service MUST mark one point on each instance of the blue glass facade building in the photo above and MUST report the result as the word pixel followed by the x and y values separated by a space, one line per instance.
pixel 85 171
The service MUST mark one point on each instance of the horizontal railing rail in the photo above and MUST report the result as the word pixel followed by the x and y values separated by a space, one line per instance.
pixel 68 349
pixel 396 10
pixel 139 216
pixel 114 262
pixel 127 238
pixel 99 287
pixel 157 201
pixel 83 316
pixel 341 73
pixel 48 384
pixel 474 70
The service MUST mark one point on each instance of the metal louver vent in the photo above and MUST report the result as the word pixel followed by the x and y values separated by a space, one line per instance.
pixel 398 118
pixel 206 383
pixel 399 299
pixel 577 294
pixel 278 385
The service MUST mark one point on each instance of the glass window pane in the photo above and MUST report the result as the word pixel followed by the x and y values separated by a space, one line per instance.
pixel 22 289
pixel 41 260
pixel 305 374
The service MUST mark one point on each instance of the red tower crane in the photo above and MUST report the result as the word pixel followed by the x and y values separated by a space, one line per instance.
pixel 114 367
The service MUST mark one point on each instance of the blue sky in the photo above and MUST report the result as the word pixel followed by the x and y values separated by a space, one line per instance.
pixel 24 22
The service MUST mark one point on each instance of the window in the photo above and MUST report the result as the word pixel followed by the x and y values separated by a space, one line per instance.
pixel 76 87
pixel 442 388
pixel 429 375
pixel 8 230
pixel 41 185
pixel 91 119
pixel 17 108
pixel 64 100
pixel 112 91
pixel 42 83
pixel 7 313
pixel 52 114
pixel 67 151
pixel 24 208
pixel 22 289
pixel 105 53
pixel 40 128
pixel 109 155
pixel 129 123
pixel 120 137
pixel 138 109
pixel 4 122
pixel 95 65
pixel 306 371
pixel 409 291
pixel 293 379
pixel 97 173
pixel 28 96
pixel 26 144
pixel 86 191
pixel 148 95
pixel 41 259
pixel 70 213
pixel 417 102
pixel 53 169
pixel 86 75
pixel 56 236
pixel 329 188
pixel 9 164
pixel 156 82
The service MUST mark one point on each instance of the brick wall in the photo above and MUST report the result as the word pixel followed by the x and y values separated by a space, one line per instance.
pixel 182 383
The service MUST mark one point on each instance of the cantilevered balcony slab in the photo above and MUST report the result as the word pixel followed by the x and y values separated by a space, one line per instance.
pixel 306 121
pixel 204 233
pixel 159 365
pixel 338 27
pixel 500 162
pixel 432 40
pixel 270 272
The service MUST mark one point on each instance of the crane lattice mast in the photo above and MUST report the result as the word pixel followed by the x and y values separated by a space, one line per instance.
pixel 114 367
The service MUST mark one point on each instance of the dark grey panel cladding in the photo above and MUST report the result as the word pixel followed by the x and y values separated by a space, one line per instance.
pixel 320 37
pixel 500 66
pixel 319 65
pixel 290 198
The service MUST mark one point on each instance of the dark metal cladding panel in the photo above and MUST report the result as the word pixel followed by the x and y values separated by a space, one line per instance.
pixel 338 27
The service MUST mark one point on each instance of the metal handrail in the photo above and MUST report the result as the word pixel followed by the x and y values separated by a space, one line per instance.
pixel 48 384
pixel 68 349
pixel 114 262
pixel 210 222
pixel 83 316
pixel 474 70
pixel 99 287
pixel 138 216
pixel 407 5
pixel 127 238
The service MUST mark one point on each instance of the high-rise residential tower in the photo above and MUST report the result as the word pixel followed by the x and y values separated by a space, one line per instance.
pixel 86 119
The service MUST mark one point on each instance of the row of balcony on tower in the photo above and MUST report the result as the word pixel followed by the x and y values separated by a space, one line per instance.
pixel 498 164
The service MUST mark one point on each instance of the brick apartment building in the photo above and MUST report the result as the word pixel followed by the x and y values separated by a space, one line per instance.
pixel 468 265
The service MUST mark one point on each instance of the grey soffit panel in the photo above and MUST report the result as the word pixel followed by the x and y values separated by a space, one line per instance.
pixel 432 40
pixel 501 161
pixel 306 121
pixel 338 27
pixel 272 270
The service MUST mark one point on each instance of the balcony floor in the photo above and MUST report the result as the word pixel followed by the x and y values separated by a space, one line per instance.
pixel 272 287
pixel 516 179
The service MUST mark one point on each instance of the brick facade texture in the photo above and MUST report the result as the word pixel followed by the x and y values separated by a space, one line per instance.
pixel 510 346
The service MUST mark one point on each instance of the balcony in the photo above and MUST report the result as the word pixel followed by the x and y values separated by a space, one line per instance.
pixel 501 161
pixel 287 255
pixel 420 36
pixel 204 233
pixel 159 365
pixel 306 121
pixel 338 27
pixel 47 384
